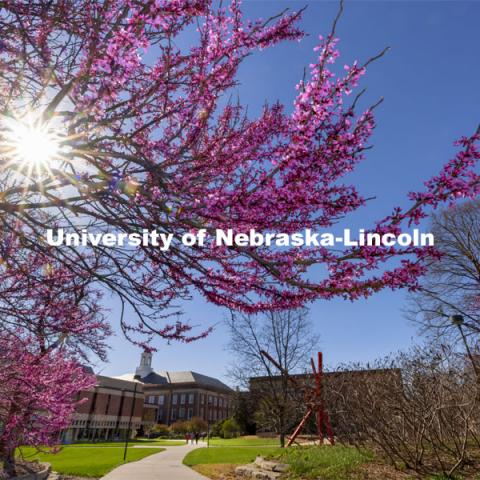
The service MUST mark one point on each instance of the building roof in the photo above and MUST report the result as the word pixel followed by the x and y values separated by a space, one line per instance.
pixel 162 377
pixel 117 383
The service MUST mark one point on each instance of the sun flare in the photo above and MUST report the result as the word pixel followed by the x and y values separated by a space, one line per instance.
pixel 31 146
pixel 34 145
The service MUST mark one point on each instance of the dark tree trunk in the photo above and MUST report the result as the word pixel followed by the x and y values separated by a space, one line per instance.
pixel 282 427
pixel 7 453
pixel 7 457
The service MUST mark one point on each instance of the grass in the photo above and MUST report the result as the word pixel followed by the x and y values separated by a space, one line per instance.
pixel 248 441
pixel 232 455
pixel 220 460
pixel 326 462
pixel 329 463
pixel 87 461
pixel 145 443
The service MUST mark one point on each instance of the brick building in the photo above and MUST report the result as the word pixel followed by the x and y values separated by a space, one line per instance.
pixel 261 396
pixel 181 395
pixel 113 408
pixel 135 402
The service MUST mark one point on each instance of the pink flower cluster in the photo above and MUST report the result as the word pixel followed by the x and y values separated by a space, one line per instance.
pixel 51 322
pixel 38 393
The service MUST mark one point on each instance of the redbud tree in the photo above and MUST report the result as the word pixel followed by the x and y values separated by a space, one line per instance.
pixel 147 137
pixel 51 323
pixel 38 394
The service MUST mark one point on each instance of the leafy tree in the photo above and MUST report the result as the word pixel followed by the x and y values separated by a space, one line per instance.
pixel 243 412
pixel 230 428
pixel 197 425
pixel 180 427
pixel 216 429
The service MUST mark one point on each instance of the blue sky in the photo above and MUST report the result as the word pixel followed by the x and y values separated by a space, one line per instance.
pixel 430 82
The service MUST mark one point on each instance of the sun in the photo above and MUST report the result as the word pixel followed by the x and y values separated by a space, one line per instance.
pixel 31 146
pixel 34 144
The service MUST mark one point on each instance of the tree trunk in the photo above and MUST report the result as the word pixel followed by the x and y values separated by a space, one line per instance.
pixel 7 453
pixel 7 457
pixel 282 427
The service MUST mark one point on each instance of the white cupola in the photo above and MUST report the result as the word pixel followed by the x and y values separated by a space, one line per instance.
pixel 145 367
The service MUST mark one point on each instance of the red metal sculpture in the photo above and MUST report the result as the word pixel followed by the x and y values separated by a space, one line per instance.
pixel 313 399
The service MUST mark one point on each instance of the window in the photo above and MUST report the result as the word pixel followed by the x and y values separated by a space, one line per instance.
pixel 181 414
pixel 161 400
pixel 151 399
pixel 108 404
pixel 215 401
pixel 174 399
pixel 201 412
pixel 174 415
pixel 202 398
pixel 220 402
pixel 209 399
pixel 190 398
pixel 190 413
pixel 182 398
pixel 160 415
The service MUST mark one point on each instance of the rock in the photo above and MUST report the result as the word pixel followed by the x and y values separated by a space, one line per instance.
pixel 41 474
pixel 245 471
pixel 270 465
pixel 281 467
pixel 265 475
pixel 261 470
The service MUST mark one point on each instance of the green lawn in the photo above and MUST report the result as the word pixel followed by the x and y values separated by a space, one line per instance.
pixel 250 441
pixel 326 462
pixel 232 455
pixel 145 443
pixel 87 461
pixel 329 463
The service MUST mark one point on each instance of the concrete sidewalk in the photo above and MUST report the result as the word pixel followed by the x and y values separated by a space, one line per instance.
pixel 159 466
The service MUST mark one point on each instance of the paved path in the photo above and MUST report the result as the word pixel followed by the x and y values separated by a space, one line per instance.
pixel 166 465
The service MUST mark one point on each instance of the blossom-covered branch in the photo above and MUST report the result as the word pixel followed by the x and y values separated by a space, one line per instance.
pixel 149 139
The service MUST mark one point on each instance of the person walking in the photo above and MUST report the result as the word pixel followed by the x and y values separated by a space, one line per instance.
pixel 197 436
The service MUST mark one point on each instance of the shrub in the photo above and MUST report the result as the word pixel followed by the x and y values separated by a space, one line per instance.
pixel 180 426
pixel 197 425
pixel 420 409
pixel 160 430
pixel 230 428
pixel 216 429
